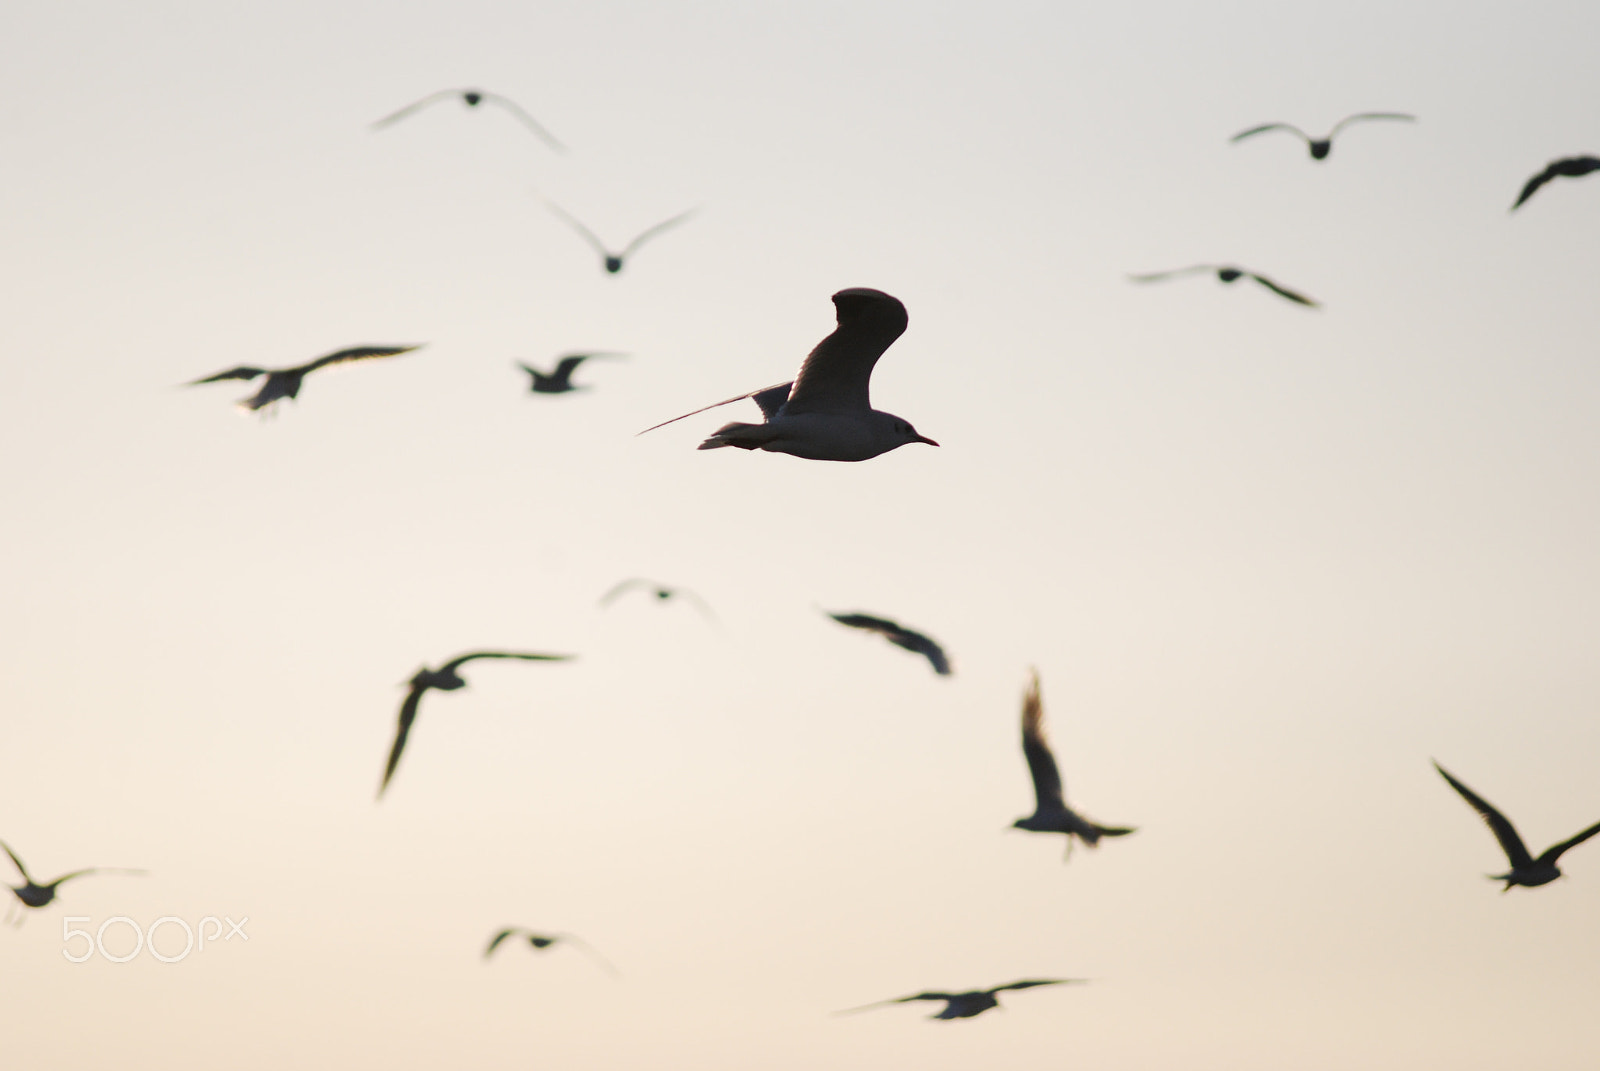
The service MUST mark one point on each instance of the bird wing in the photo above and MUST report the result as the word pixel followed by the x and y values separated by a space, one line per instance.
pixel 836 374
pixel 772 399
pixel 1157 276
pixel 415 106
pixel 653 231
pixel 457 663
pixel 356 353
pixel 20 868
pixel 244 371
pixel 1359 116
pixel 1047 789
pixel 1033 982
pixel 498 939
pixel 1282 291
pixel 527 120
pixel 81 873
pixel 585 946
pixel 633 582
pixel 1535 182
pixel 899 1000
pixel 918 643
pixel 1264 127
pixel 770 392
pixel 588 235
pixel 408 714
pixel 1555 852
pixel 1503 831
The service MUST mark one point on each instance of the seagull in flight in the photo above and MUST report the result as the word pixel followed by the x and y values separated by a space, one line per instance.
pixel 613 261
pixel 560 380
pixel 445 679
pixel 966 1005
pixel 1227 273
pixel 33 894
pixel 472 98
pixel 900 636
pixel 285 382
pixel 1525 869
pixel 1320 147
pixel 542 941
pixel 826 413
pixel 661 591
pixel 1570 167
pixel 1051 813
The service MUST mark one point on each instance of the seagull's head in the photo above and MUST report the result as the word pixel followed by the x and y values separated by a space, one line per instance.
pixel 902 432
pixel 1319 149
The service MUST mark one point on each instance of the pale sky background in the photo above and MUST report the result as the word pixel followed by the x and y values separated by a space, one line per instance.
pixel 1268 560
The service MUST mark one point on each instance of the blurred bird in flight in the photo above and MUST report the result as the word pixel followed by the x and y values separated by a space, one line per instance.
pixel 560 380
pixel 613 261
pixel 33 894
pixel 965 1005
pixel 472 98
pixel 1570 167
pixel 662 593
pixel 900 636
pixel 1320 147
pixel 542 941
pixel 1227 273
pixel 1525 869
pixel 285 382
pixel 1051 813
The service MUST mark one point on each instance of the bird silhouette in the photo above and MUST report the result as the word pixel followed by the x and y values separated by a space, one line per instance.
pixel 542 941
pixel 965 1005
pixel 613 261
pixel 445 679
pixel 285 382
pixel 661 591
pixel 1320 147
pixel 472 98
pixel 1570 167
pixel 826 413
pixel 1051 813
pixel 560 380
pixel 1525 869
pixel 900 636
pixel 1227 273
pixel 32 894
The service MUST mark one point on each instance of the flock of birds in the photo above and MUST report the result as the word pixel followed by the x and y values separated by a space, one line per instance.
pixel 825 413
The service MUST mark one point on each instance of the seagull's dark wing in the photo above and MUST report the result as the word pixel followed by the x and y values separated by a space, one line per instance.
pixel 244 371
pixel 588 235
pixel 899 1000
pixel 527 120
pixel 628 249
pixel 355 353
pixel 498 939
pixel 87 870
pixel 415 106
pixel 772 399
pixel 1157 276
pixel 565 367
pixel 770 392
pixel 1535 182
pixel 1360 116
pixel 1555 852
pixel 917 643
pixel 1515 850
pixel 633 582
pixel 1047 789
pixel 457 663
pixel 408 714
pixel 1264 127
pixel 20 868
pixel 1037 981
pixel 1283 291
pixel 837 373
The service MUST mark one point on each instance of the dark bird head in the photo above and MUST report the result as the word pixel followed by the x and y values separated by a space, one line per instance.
pixel 613 263
pixel 1319 149
pixel 1228 275
pixel 473 97
pixel 540 942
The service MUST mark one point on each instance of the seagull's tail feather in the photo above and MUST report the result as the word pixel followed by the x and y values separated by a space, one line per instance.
pixel 744 436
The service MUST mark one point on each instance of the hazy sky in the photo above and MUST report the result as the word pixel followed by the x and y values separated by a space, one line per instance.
pixel 1268 560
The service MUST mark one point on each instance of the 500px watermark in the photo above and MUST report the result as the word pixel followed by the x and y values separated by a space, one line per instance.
pixel 145 939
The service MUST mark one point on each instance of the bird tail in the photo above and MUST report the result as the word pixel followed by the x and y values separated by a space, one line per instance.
pixel 1112 831
pixel 744 436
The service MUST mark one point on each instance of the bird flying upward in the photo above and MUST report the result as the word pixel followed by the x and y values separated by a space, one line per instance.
pixel 32 894
pixel 966 1005
pixel 1051 813
pixel 445 679
pixel 1525 869
pixel 285 382
pixel 613 261
pixel 542 941
pixel 1320 147
pixel 900 636
pixel 560 380
pixel 1569 167
pixel 1227 273
pixel 472 98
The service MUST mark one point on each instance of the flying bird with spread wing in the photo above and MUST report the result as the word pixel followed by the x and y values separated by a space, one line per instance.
pixel 1227 273
pixel 1051 813
pixel 966 1005
pixel 900 636
pixel 472 98
pixel 1320 147
pixel 33 894
pixel 825 413
pixel 560 380
pixel 285 382
pixel 1570 167
pixel 613 262
pixel 542 941
pixel 661 592
pixel 1525 869
pixel 445 679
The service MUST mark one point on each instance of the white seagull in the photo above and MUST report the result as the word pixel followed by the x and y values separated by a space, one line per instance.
pixel 826 413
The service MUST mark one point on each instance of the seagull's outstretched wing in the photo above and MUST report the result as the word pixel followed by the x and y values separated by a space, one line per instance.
pixel 457 663
pixel 527 120
pixel 766 393
pixel 356 353
pixel 1283 291
pixel 1570 166
pixel 1157 276
pixel 567 365
pixel 1555 852
pixel 900 636
pixel 1503 831
pixel 415 106
pixel 836 374
pixel 898 1000
pixel 408 714
pixel 1531 188
pixel 499 938
pixel 1047 789
pixel 20 868
pixel 627 585
pixel 584 946
pixel 1033 982
pixel 644 236
pixel 244 371
pixel 572 221
pixel 92 870
pixel 1264 127
pixel 1361 116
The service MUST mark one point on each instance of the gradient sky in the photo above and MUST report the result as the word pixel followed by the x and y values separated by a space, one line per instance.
pixel 1268 560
